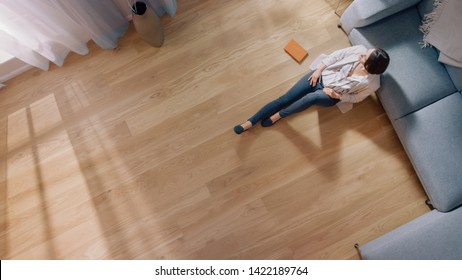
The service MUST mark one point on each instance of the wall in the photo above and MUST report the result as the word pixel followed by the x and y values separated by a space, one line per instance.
pixel 10 67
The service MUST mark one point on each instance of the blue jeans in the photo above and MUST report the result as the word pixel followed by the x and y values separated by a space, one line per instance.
pixel 300 97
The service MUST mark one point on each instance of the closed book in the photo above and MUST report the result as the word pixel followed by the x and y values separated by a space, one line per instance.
pixel 296 51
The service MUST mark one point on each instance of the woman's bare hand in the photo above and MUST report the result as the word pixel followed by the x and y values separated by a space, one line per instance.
pixel 332 93
pixel 314 78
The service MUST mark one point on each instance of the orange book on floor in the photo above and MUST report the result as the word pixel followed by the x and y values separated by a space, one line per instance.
pixel 296 51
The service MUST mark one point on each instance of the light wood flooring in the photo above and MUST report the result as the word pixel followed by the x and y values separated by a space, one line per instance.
pixel 130 153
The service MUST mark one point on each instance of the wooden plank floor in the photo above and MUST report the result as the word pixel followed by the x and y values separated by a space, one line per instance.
pixel 130 153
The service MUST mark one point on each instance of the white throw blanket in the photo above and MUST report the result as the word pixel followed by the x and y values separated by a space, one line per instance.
pixel 442 29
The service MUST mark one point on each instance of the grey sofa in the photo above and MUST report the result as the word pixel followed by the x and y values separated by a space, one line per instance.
pixel 423 100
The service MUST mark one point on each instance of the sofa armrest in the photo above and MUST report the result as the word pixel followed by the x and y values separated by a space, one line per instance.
pixel 432 236
pixel 364 12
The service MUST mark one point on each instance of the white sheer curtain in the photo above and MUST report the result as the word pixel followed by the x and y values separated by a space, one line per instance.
pixel 40 31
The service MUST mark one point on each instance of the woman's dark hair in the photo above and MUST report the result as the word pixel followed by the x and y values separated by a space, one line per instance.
pixel 377 62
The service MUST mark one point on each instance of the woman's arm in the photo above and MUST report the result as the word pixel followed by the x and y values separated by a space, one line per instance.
pixel 314 78
pixel 342 53
pixel 355 97
pixel 332 93
pixel 347 97
pixel 360 93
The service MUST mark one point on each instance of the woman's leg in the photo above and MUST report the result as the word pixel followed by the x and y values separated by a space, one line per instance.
pixel 318 97
pixel 300 89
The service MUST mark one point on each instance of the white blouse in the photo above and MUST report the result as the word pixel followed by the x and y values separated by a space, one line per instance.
pixel 339 64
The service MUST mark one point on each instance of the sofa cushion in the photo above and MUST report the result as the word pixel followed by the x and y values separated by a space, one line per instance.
pixel 432 236
pixel 364 12
pixel 425 7
pixel 456 75
pixel 432 138
pixel 414 77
